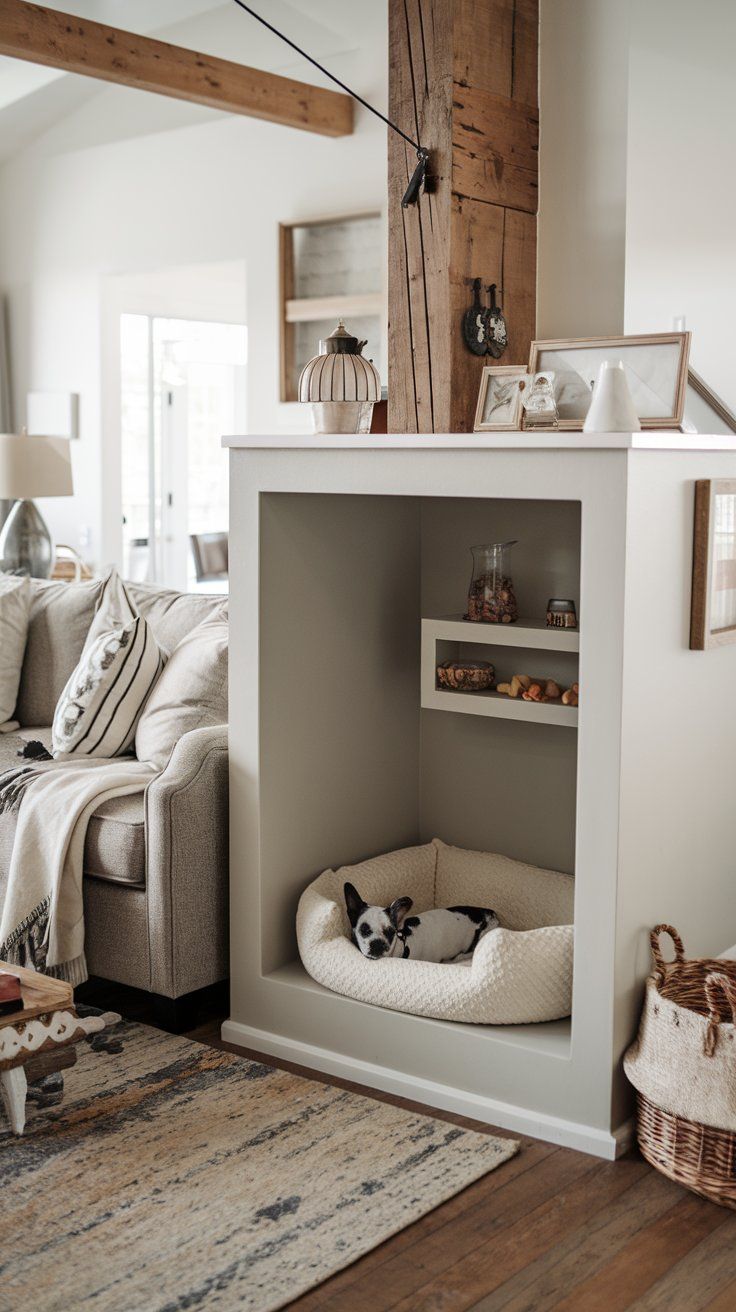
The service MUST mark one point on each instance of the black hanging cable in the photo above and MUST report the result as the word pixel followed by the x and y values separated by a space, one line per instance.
pixel 412 191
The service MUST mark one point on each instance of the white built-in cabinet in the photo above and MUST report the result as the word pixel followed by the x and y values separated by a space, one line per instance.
pixel 350 565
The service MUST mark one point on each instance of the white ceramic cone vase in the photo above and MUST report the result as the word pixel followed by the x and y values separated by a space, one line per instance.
pixel 612 409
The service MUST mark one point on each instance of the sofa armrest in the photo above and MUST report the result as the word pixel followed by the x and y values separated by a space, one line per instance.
pixel 186 823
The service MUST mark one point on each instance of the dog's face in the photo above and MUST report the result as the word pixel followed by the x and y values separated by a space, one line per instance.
pixel 375 929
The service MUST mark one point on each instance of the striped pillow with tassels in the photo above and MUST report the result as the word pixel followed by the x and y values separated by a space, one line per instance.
pixel 99 709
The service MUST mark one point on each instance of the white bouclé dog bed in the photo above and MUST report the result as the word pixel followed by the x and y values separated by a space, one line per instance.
pixel 519 973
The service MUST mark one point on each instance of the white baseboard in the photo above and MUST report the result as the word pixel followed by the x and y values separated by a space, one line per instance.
pixel 625 1136
pixel 520 1120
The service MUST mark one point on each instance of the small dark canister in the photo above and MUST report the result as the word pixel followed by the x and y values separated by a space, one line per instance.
pixel 561 614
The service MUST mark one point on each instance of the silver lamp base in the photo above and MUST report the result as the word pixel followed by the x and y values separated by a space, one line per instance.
pixel 25 542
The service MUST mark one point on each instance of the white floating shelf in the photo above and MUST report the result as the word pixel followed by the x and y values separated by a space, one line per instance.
pixel 499 705
pixel 310 309
pixel 524 633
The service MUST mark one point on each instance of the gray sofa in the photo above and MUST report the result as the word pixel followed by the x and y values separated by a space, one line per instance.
pixel 155 891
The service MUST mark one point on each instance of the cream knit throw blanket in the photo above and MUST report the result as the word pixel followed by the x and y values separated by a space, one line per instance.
pixel 42 922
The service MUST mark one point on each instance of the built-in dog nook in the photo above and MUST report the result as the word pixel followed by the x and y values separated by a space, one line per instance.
pixel 351 570
pixel 475 768
pixel 361 758
pixel 365 756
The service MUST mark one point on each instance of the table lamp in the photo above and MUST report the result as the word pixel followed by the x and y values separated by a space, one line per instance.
pixel 31 467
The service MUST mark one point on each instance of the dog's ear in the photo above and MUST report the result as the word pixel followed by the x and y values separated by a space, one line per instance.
pixel 354 903
pixel 398 909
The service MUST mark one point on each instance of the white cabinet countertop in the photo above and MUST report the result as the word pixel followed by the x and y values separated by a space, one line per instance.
pixel 649 441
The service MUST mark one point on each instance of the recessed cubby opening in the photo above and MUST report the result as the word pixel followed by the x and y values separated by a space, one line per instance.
pixel 355 761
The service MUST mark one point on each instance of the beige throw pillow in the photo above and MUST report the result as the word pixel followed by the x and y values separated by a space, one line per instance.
pixel 15 608
pixel 172 615
pixel 191 693
pixel 97 713
pixel 61 614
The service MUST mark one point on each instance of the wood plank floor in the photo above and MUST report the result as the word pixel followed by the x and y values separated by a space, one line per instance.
pixel 551 1229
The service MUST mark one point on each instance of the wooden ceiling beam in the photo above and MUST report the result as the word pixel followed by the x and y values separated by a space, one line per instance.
pixel 45 36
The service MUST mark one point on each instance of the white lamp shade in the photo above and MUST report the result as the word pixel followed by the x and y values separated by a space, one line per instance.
pixel 339 377
pixel 35 467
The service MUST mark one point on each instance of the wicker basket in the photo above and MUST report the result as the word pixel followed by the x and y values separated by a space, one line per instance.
pixel 685 1059
pixel 697 1156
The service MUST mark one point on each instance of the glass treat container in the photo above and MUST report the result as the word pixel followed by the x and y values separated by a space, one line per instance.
pixel 491 597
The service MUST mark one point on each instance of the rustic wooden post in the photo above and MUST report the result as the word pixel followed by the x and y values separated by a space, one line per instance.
pixel 463 80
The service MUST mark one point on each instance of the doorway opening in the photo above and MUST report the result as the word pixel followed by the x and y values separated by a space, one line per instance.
pixel 183 384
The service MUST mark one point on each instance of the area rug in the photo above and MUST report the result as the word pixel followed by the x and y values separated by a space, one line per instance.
pixel 175 1176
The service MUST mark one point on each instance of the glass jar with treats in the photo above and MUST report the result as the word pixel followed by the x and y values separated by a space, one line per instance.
pixel 491 596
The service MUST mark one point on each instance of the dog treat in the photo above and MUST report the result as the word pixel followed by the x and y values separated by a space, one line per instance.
pixel 492 600
pixel 466 676
pixel 519 684
pixel 533 693
pixel 539 690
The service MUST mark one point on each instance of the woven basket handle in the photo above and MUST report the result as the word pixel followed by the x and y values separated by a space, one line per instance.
pixel 656 947
pixel 716 984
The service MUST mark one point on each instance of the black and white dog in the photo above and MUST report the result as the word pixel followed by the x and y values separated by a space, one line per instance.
pixel 442 935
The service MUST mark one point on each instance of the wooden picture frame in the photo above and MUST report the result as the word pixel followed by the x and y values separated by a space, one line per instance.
pixel 644 380
pixel 718 417
pixel 713 601
pixel 507 407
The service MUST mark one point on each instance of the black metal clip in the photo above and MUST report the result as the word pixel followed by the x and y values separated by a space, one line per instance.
pixel 417 180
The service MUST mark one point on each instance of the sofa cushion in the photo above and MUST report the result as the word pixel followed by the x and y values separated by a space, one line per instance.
pixel 61 614
pixel 115 847
pixel 15 606
pixel 190 694
pixel 172 615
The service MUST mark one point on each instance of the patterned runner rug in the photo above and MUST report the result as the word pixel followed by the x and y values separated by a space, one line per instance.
pixel 175 1176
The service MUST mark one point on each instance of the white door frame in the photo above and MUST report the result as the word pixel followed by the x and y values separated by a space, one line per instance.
pixel 212 293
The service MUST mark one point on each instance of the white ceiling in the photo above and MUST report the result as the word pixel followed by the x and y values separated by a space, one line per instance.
pixel 33 98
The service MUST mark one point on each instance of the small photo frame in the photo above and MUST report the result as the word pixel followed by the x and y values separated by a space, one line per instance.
pixel 499 398
pixel 713 604
pixel 655 366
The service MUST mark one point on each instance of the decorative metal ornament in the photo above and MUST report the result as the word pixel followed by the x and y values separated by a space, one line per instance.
pixel 497 332
pixel 484 327
pixel 475 324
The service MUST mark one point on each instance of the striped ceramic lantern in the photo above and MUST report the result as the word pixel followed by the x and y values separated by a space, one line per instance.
pixel 340 385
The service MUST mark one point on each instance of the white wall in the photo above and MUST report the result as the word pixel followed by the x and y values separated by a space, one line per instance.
pixel 637 190
pixel 72 214
pixel 583 79
pixel 681 187
pixel 637 179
